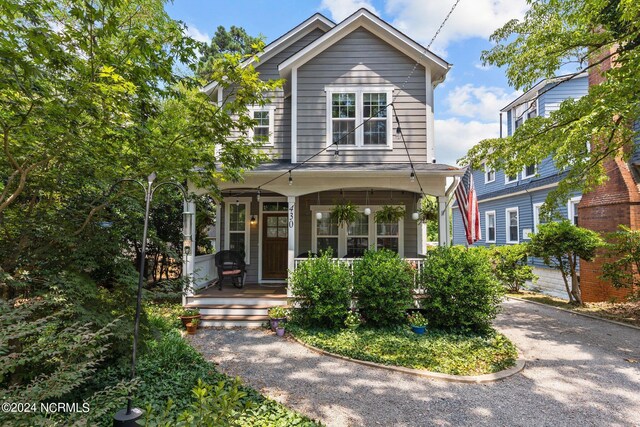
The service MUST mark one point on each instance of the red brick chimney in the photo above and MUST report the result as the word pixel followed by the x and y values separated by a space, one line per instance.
pixel 615 202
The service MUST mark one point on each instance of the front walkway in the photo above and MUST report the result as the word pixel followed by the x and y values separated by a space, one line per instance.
pixel 580 372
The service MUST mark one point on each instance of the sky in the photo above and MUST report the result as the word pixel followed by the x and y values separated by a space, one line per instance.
pixel 467 104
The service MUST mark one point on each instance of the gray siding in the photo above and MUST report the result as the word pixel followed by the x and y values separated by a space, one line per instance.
pixel 269 71
pixel 361 58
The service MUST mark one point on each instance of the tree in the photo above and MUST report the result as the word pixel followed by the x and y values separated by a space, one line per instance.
pixel 561 245
pixel 234 41
pixel 510 266
pixel 556 34
pixel 624 251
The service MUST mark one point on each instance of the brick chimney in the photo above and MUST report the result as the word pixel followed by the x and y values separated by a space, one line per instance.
pixel 615 202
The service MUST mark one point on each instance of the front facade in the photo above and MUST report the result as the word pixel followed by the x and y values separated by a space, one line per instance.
pixel 334 137
pixel 510 205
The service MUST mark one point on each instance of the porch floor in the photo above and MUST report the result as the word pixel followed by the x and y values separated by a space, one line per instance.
pixel 250 290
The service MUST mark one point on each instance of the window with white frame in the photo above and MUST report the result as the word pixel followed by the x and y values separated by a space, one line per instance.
pixel 529 171
pixel 358 236
pixel 512 225
pixel 327 234
pixel 537 219
pixel 489 174
pixel 358 117
pixel 572 209
pixel 490 226
pixel 509 179
pixel 237 230
pixel 262 131
pixel 388 236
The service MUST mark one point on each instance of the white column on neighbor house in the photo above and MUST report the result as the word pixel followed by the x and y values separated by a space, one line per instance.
pixel 291 247
pixel 443 221
pixel 189 233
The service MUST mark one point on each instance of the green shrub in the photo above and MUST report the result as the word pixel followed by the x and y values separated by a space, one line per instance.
pixel 322 291
pixel 510 266
pixel 383 283
pixel 462 291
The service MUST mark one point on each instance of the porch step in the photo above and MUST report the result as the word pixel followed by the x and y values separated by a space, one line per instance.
pixel 233 310
pixel 258 300
pixel 248 321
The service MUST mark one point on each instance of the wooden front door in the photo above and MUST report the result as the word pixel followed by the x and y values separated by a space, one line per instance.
pixel 274 245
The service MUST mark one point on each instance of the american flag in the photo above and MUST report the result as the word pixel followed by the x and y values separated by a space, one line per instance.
pixel 468 205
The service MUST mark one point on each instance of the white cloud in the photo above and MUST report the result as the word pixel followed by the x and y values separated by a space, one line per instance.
pixel 196 34
pixel 454 137
pixel 477 18
pixel 477 102
pixel 340 9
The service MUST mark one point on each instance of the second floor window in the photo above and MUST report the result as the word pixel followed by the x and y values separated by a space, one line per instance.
pixel 358 117
pixel 489 174
pixel 262 131
pixel 529 171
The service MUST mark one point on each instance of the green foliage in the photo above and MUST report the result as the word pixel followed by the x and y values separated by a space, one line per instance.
pixel 322 291
pixel 510 266
pixel 234 41
pixel 623 253
pixel 353 320
pixel 382 284
pixel 417 319
pixel 436 351
pixel 344 213
pixel 552 35
pixel 277 312
pixel 561 245
pixel 428 212
pixel 389 214
pixel 462 291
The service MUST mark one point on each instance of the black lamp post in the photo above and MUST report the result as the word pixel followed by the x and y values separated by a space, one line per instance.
pixel 129 416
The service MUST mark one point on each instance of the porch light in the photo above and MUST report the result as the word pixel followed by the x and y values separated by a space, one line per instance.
pixel 367 211
pixel 415 216
pixel 318 215
pixel 290 179
pixel 336 154
pixel 258 195
pixel 412 177
pixel 254 220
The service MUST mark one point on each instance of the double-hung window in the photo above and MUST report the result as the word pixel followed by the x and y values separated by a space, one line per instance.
pixel 537 219
pixel 513 225
pixel 529 171
pixel 572 211
pixel 359 117
pixel 489 174
pixel 490 226
pixel 237 227
pixel 388 236
pixel 262 131
pixel 327 234
pixel 358 236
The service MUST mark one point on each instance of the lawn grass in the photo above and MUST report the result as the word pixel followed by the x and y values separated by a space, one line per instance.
pixel 625 312
pixel 435 351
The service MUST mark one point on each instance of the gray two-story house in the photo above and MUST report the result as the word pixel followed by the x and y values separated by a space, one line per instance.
pixel 339 80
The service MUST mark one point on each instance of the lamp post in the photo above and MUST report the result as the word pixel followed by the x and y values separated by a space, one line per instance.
pixel 129 416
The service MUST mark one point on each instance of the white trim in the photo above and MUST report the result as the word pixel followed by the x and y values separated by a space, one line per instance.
pixel 507 225
pixel 359 92
pixel 503 196
pixel 485 174
pixel 364 18
pixel 486 226
pixel 294 115
pixel 535 207
pixel 429 116
pixel 571 204
pixel 524 171
pixel 271 109
pixel 246 201
pixel 261 202
pixel 506 178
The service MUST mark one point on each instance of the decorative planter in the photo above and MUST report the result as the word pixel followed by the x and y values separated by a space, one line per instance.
pixel 191 328
pixel 418 329
pixel 188 319
pixel 276 322
pixel 280 331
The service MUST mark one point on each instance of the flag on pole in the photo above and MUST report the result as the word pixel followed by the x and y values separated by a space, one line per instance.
pixel 468 205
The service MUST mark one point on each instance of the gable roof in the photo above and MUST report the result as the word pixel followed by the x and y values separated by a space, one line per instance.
pixel 533 92
pixel 316 21
pixel 365 19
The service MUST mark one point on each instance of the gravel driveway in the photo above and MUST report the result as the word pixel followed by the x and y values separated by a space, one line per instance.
pixel 576 375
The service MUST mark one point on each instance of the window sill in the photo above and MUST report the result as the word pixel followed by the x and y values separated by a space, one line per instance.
pixel 360 148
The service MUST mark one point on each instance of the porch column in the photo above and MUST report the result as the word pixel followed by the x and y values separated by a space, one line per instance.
pixel 443 221
pixel 189 233
pixel 420 231
pixel 219 220
pixel 291 252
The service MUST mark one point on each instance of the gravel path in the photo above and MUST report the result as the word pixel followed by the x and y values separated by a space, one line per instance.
pixel 576 375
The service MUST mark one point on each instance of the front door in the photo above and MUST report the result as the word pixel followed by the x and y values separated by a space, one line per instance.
pixel 274 245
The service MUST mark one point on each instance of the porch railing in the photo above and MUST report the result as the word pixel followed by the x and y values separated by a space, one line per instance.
pixel 204 270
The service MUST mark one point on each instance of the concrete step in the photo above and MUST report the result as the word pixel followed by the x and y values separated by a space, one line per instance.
pixel 231 324
pixel 196 301
pixel 248 310
pixel 248 321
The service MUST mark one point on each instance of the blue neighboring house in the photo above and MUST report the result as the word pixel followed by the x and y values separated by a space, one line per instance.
pixel 510 205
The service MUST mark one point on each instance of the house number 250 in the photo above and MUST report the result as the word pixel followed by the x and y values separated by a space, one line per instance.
pixel 291 210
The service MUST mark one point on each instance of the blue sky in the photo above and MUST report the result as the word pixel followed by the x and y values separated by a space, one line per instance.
pixel 466 104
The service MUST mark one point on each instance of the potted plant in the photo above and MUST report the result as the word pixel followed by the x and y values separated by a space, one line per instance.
pixel 428 210
pixel 389 214
pixel 277 315
pixel 418 322
pixel 189 315
pixel 280 330
pixel 192 326
pixel 352 321
pixel 344 213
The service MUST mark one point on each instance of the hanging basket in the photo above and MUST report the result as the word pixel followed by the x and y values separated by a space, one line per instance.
pixel 389 214
pixel 428 210
pixel 344 213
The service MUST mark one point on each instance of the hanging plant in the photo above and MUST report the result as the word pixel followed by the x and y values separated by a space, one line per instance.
pixel 428 210
pixel 344 213
pixel 389 214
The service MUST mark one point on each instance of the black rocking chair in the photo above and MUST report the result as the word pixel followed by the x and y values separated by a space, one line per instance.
pixel 231 264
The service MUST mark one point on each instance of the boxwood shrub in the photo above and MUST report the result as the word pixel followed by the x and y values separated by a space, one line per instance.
pixel 383 283
pixel 461 290
pixel 322 291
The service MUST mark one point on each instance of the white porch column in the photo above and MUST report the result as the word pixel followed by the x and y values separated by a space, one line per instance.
pixel 219 220
pixel 189 232
pixel 291 252
pixel 443 221
pixel 420 230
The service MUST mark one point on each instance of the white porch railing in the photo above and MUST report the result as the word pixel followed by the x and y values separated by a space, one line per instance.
pixel 204 270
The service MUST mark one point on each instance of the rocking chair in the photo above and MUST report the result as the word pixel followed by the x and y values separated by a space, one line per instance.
pixel 230 264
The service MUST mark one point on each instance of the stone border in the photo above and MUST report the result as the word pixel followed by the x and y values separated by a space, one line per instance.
pixel 468 379
pixel 590 316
